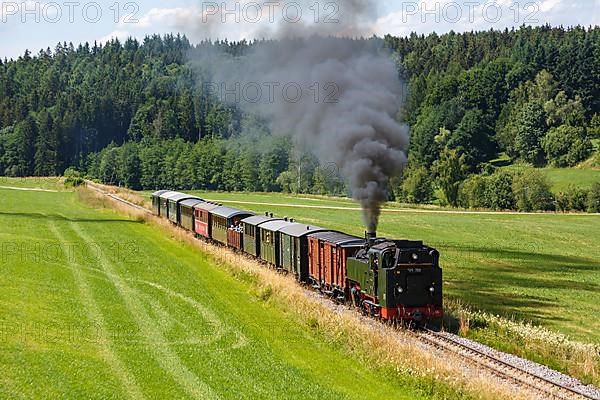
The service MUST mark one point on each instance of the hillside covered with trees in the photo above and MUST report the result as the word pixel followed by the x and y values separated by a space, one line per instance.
pixel 139 115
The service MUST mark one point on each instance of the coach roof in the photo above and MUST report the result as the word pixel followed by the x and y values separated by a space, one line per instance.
pixel 259 219
pixel 206 206
pixel 299 230
pixel 169 194
pixel 191 202
pixel 338 238
pixel 228 212
pixel 275 226
pixel 182 196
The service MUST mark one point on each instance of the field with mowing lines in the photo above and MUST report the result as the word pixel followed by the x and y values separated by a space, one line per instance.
pixel 50 184
pixel 95 305
pixel 541 268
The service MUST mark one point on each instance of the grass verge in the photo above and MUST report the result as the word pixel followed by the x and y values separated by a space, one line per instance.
pixel 368 342
pixel 533 342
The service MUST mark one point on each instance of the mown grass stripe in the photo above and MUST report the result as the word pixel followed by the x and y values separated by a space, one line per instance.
pixel 161 349
pixel 97 320
pixel 207 315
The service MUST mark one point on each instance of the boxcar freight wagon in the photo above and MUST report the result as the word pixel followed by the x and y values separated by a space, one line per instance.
pixel 327 255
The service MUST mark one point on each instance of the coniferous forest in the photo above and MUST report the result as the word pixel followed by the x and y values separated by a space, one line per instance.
pixel 137 114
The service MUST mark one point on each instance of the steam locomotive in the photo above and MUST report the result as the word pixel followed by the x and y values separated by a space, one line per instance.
pixel 393 280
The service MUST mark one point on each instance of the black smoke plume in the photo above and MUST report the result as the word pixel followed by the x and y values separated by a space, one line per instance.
pixel 351 95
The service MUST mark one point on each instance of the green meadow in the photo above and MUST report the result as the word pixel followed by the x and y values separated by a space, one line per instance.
pixel 561 179
pixel 96 305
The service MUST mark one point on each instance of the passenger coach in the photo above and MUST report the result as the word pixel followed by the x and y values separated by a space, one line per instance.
pixel 156 201
pixel 174 201
pixel 163 202
pixel 225 219
pixel 252 229
pixel 294 248
pixel 203 220
pixel 269 241
pixel 186 211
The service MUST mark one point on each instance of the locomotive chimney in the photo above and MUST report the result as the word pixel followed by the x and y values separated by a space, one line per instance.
pixel 371 236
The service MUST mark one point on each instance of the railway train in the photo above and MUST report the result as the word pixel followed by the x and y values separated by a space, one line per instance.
pixel 393 280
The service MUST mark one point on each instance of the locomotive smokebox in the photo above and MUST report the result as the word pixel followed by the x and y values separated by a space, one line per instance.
pixel 371 236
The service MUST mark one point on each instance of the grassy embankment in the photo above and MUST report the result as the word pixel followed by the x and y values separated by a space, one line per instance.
pixel 542 269
pixel 98 305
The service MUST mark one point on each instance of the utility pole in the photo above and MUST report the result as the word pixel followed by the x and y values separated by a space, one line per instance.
pixel 299 174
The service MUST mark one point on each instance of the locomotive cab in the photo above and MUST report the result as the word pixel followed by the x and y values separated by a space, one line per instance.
pixel 397 280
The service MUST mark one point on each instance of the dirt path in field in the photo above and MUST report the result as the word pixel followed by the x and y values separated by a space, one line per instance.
pixel 399 210
pixel 29 189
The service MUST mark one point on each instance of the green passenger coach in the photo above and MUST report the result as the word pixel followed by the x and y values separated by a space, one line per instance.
pixel 269 241
pixel 252 229
pixel 294 248
pixel 156 201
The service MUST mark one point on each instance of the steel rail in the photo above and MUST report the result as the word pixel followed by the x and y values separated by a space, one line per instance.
pixel 505 370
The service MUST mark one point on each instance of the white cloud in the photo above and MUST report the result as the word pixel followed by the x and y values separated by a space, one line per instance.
pixel 484 16
pixel 431 16
pixel 548 5
pixel 166 16
pixel 243 19
pixel 116 34
pixel 191 20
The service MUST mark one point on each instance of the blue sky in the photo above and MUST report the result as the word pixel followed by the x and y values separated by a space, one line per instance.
pixel 39 24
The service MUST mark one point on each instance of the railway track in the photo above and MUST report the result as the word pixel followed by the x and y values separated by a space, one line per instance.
pixel 547 388
pixel 117 198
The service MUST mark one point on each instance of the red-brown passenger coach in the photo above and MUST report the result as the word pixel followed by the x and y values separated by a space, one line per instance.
pixel 202 219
